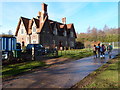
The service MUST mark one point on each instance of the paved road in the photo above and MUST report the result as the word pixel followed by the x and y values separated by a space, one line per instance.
pixel 60 76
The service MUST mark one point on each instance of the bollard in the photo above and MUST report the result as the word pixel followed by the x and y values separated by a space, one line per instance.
pixel 33 53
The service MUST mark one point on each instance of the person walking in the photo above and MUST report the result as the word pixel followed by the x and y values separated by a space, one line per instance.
pixel 102 50
pixel 95 51
pixel 98 50
pixel 109 49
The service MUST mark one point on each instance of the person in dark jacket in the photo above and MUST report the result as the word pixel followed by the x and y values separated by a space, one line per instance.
pixel 98 50
pixel 109 49
pixel 102 50
pixel 95 51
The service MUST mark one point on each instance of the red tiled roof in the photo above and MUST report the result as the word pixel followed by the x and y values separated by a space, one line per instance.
pixel 62 26
pixel 69 26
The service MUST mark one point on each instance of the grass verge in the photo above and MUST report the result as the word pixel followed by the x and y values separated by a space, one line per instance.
pixel 75 53
pixel 15 69
pixel 104 77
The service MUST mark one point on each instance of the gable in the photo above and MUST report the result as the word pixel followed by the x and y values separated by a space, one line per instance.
pixel 34 28
pixel 70 27
pixel 25 22
pixel 46 27
pixel 22 30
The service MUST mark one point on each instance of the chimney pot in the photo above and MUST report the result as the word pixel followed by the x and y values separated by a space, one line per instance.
pixel 39 13
pixel 64 20
pixel 44 7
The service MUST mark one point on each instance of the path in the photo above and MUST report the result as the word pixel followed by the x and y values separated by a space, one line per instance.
pixel 60 76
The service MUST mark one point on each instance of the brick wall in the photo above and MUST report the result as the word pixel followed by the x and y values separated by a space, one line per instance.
pixel 22 35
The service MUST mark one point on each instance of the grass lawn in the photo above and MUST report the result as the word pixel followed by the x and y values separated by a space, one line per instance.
pixel 15 69
pixel 75 53
pixel 104 77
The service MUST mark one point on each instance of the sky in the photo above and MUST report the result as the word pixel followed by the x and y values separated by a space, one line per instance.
pixel 82 14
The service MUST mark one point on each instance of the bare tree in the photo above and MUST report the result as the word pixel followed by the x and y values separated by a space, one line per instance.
pixel 10 32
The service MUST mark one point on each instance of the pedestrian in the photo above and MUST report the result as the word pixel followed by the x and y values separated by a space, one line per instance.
pixel 95 51
pixel 102 50
pixel 109 49
pixel 98 50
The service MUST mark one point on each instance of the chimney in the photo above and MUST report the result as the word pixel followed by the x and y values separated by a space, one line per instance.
pixel 44 8
pixel 44 12
pixel 64 20
pixel 39 15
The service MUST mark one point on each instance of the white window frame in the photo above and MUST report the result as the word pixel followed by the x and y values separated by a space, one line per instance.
pixel 71 33
pixel 72 43
pixel 65 33
pixel 34 28
pixel 27 39
pixel 22 31
pixel 66 43
pixel 34 41
pixel 55 31
pixel 53 41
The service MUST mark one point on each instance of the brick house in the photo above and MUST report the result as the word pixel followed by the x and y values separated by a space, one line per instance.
pixel 42 30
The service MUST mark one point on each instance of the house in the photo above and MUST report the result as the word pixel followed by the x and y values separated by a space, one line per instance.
pixel 42 30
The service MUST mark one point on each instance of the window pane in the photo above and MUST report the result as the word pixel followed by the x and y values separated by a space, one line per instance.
pixel 22 31
pixel 34 29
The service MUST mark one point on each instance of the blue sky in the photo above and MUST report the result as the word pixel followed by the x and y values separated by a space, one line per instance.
pixel 82 14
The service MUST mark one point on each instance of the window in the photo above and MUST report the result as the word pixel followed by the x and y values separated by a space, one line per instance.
pixel 53 41
pixel 34 42
pixel 66 43
pixel 34 29
pixel 65 33
pixel 27 39
pixel 55 31
pixel 22 31
pixel 71 34
pixel 72 44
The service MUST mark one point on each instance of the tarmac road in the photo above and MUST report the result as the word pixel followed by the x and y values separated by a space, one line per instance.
pixel 59 76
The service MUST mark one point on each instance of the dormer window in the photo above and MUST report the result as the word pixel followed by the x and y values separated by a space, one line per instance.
pixel 71 34
pixel 65 34
pixel 55 31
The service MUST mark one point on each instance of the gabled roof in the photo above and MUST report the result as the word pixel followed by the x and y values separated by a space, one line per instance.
pixel 54 24
pixel 70 27
pixel 25 22
pixel 32 21
pixel 63 27
pixel 41 25
pixel 60 26
pixel 36 22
